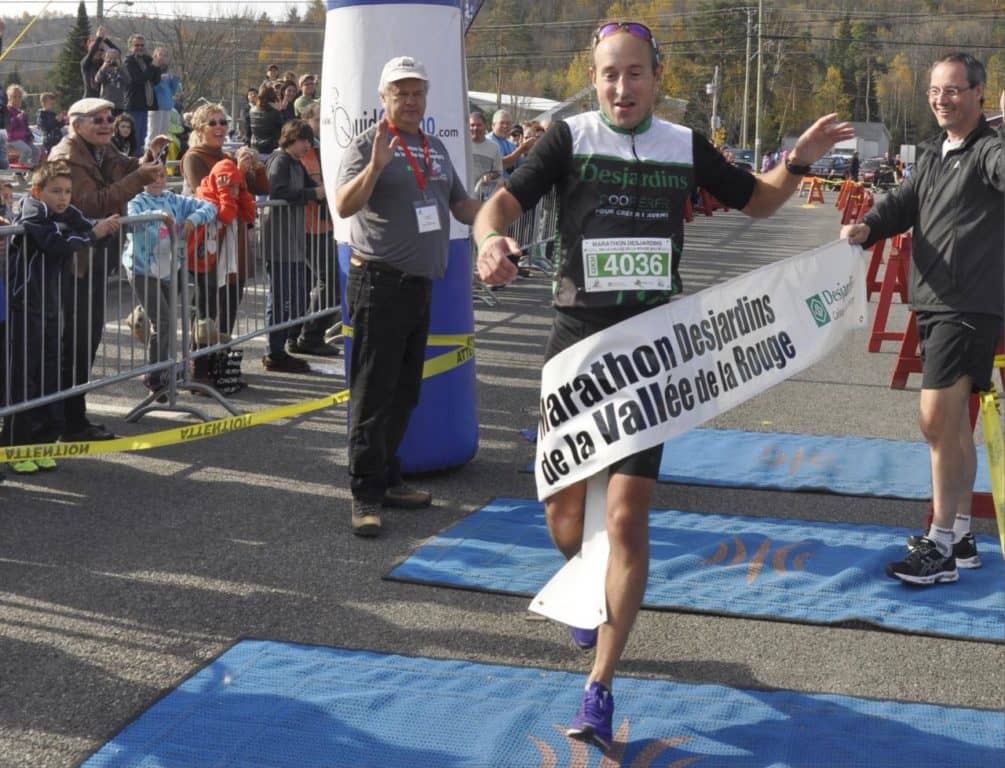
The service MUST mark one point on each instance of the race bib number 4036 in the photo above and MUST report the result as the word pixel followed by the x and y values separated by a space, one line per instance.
pixel 627 263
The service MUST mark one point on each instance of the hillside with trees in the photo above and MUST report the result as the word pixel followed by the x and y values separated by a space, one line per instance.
pixel 868 62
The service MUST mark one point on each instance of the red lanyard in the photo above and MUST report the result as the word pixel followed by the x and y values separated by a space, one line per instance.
pixel 419 177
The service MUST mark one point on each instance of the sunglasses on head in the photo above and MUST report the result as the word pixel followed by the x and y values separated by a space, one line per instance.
pixel 214 123
pixel 635 28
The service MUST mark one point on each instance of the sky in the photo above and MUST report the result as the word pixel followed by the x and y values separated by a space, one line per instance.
pixel 275 8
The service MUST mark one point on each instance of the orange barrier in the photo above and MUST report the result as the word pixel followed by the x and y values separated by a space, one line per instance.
pixel 894 280
pixel 852 203
pixel 868 201
pixel 844 192
pixel 908 356
pixel 816 191
pixel 860 200
pixel 872 284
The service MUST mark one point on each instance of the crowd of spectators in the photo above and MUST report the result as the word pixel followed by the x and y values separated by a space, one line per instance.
pixel 107 156
pixel 112 148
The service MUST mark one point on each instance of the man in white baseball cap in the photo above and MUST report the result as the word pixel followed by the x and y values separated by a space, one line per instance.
pixel 398 187
pixel 402 68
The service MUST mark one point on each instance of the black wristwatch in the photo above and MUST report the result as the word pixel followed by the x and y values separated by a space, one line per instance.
pixel 796 170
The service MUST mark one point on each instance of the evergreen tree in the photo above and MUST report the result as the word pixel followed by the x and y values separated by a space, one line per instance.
pixel 68 85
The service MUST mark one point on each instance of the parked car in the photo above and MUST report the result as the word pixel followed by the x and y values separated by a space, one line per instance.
pixel 867 170
pixel 830 167
pixel 743 158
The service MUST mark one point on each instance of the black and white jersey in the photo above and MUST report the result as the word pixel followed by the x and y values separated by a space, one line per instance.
pixel 621 202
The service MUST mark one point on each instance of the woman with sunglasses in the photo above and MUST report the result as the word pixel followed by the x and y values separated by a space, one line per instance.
pixel 621 173
pixel 218 301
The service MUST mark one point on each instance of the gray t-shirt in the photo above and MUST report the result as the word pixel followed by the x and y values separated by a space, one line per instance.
pixel 386 229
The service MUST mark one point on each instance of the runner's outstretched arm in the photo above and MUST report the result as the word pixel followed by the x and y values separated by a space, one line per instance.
pixel 777 185
pixel 495 267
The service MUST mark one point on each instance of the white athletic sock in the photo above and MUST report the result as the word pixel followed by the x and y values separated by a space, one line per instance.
pixel 943 538
pixel 961 527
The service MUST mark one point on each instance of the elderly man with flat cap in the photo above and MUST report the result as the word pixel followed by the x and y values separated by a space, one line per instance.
pixel 104 180
pixel 399 187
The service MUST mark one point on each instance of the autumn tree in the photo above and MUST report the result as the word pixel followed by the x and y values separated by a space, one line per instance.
pixel 830 95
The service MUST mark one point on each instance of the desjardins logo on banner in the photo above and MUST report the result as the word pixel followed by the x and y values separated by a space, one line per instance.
pixel 819 310
pixel 831 304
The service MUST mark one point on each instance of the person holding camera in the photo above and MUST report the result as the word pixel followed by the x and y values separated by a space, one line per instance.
pixel 94 60
pixel 113 80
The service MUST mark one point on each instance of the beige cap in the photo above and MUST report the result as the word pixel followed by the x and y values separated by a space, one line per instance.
pixel 402 68
pixel 88 107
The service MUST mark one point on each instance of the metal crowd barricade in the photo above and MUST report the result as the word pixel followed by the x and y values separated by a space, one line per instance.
pixel 106 330
pixel 52 324
pixel 298 291
pixel 535 230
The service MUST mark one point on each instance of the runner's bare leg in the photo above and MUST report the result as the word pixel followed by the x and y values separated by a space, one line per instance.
pixel 628 500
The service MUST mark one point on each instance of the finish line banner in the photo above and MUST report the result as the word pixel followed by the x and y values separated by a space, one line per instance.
pixel 644 380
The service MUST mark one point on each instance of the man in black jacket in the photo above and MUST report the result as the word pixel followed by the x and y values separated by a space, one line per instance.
pixel 143 75
pixel 954 201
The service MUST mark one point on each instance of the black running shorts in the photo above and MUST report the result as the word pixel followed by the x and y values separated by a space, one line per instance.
pixel 957 344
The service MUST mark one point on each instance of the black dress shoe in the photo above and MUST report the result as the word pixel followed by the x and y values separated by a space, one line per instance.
pixel 90 433
pixel 316 348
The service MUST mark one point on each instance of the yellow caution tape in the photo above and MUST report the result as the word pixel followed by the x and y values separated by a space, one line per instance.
pixel 994 444
pixel 433 366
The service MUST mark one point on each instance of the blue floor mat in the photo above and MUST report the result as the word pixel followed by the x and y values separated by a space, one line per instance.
pixel 854 466
pixel 822 573
pixel 275 705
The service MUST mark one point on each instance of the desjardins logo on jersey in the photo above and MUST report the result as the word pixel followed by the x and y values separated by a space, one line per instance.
pixel 627 176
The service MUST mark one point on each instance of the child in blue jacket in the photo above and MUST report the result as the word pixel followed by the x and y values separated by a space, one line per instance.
pixel 150 261
pixel 40 259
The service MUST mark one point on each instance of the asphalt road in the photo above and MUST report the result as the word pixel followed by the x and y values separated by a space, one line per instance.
pixel 121 576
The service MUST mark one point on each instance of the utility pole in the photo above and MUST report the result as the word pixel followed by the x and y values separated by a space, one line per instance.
pixel 499 63
pixel 234 91
pixel 744 133
pixel 757 104
pixel 100 14
pixel 713 89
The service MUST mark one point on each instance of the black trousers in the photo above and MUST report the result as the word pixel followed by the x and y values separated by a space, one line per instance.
pixel 84 322
pixel 389 313
pixel 322 266
pixel 33 345
pixel 216 302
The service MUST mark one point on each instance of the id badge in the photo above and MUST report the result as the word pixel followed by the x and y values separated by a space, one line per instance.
pixel 426 215
pixel 627 263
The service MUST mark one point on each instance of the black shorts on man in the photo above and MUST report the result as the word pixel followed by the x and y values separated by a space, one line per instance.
pixel 957 344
